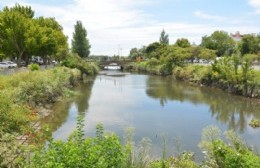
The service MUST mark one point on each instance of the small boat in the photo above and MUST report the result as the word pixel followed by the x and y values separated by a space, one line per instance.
pixel 113 66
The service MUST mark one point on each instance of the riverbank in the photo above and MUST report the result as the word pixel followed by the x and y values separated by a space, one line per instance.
pixel 27 96
pixel 223 74
pixel 155 89
pixel 240 83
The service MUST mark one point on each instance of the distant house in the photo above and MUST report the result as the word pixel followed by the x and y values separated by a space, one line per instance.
pixel 237 36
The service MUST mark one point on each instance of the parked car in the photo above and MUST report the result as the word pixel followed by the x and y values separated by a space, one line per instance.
pixel 37 59
pixel 54 62
pixel 11 64
pixel 4 65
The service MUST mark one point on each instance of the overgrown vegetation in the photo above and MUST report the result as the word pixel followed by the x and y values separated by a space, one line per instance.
pixel 74 61
pixel 219 154
pixel 21 95
pixel 105 150
pixel 225 74
pixel 229 63
pixel 161 59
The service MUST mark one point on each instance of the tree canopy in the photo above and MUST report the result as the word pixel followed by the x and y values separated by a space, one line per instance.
pixel 22 35
pixel 183 42
pixel 219 41
pixel 250 44
pixel 80 43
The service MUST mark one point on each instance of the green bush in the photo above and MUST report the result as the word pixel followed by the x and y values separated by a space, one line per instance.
pixel 219 154
pixel 104 150
pixel 34 67
pixel 254 123
pixel 74 61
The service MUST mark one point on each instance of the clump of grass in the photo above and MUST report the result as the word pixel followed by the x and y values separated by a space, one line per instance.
pixel 255 123
pixel 34 67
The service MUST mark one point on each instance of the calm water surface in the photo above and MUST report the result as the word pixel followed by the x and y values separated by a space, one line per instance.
pixel 156 107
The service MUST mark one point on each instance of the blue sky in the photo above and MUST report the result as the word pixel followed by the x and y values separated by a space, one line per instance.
pixel 113 24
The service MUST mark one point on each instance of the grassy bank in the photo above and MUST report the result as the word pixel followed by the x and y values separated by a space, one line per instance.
pixel 229 74
pixel 23 96
pixel 22 93
pixel 240 81
pixel 105 150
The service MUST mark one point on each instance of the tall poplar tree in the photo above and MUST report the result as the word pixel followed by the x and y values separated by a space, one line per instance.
pixel 80 43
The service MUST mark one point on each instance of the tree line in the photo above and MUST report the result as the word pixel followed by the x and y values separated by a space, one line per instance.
pixel 23 35
pixel 218 44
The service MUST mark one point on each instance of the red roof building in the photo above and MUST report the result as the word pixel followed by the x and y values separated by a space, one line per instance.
pixel 237 36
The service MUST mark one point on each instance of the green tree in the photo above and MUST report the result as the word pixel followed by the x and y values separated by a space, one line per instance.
pixel 250 44
pixel 164 38
pixel 152 50
pixel 22 35
pixel 15 23
pixel 134 53
pixel 183 42
pixel 49 39
pixel 24 10
pixel 80 43
pixel 207 54
pixel 219 41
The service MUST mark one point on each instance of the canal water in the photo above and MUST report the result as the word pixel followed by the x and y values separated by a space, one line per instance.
pixel 156 107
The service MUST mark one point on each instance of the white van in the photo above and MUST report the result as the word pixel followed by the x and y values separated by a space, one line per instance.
pixel 37 59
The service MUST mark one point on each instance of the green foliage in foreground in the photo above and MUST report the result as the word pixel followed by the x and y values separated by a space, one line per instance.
pixel 106 151
pixel 219 154
pixel 21 95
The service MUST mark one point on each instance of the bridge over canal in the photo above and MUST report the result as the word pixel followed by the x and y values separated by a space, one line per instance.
pixel 120 63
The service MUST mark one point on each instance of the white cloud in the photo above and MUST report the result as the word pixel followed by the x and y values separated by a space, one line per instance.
pixel 209 17
pixel 113 24
pixel 255 4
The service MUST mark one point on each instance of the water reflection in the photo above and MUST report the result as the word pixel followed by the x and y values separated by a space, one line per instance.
pixel 229 109
pixel 154 106
pixel 77 104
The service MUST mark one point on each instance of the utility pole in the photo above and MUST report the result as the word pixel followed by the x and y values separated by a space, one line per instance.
pixel 119 50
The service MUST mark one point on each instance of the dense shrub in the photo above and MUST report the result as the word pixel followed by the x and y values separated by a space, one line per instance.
pixel 74 61
pixel 20 93
pixel 20 96
pixel 105 150
pixel 219 154
pixel 192 73
pixel 228 73
pixel 34 67
pixel 254 123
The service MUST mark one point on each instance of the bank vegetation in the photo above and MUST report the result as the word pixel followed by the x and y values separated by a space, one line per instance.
pixel 105 150
pixel 218 61
pixel 25 97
